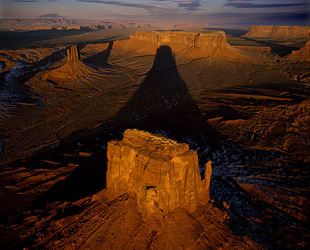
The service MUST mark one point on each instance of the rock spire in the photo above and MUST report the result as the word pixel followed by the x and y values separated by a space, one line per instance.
pixel 73 53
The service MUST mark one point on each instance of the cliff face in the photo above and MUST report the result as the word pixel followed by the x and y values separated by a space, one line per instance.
pixel 279 32
pixel 161 173
pixel 190 44
pixel 300 55
pixel 216 39
pixel 73 53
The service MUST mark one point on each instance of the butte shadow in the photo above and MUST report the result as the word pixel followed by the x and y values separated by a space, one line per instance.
pixel 100 59
pixel 162 103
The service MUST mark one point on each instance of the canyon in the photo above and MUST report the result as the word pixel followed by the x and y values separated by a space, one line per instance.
pixel 161 140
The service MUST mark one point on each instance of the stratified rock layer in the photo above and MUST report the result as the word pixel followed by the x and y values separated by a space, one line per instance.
pixel 214 39
pixel 161 173
pixel 301 55
pixel 278 32
pixel 73 53
pixel 192 45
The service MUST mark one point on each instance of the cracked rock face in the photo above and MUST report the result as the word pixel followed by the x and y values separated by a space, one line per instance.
pixel 161 173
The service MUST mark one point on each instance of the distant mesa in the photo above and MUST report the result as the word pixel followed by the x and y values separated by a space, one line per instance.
pixel 216 39
pixel 279 32
pixel 160 173
pixel 54 22
pixel 73 54
pixel 205 44
pixel 51 16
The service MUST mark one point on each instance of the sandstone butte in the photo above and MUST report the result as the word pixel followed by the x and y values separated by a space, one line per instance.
pixel 73 53
pixel 190 44
pixel 160 173
pixel 300 55
pixel 279 32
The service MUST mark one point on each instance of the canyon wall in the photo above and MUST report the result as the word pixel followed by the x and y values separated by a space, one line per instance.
pixel 300 55
pixel 192 45
pixel 279 32
pixel 161 173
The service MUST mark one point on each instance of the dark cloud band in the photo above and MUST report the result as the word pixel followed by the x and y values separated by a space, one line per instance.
pixel 149 7
pixel 246 4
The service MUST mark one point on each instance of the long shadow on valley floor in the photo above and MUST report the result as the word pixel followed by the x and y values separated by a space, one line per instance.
pixel 162 103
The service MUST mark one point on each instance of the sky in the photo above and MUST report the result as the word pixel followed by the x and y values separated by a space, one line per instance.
pixel 213 12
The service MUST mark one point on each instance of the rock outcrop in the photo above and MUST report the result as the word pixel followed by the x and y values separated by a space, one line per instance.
pixel 216 39
pixel 73 53
pixel 300 55
pixel 192 45
pixel 161 173
pixel 279 32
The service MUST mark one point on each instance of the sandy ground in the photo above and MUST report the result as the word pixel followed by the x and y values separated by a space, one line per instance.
pixel 250 117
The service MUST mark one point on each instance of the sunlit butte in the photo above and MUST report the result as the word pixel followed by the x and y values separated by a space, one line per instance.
pixel 163 124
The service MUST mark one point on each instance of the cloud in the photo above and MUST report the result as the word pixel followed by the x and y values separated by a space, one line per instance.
pixel 33 1
pixel 245 4
pixel 189 5
pixel 154 8
pixel 263 18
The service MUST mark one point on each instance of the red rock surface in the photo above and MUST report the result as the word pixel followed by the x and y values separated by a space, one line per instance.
pixel 162 174
pixel 278 32
pixel 73 53
pixel 208 44
pixel 300 55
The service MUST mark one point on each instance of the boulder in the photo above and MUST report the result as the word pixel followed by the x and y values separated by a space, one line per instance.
pixel 160 173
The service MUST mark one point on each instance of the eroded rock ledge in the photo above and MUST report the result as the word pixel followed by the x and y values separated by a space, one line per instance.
pixel 161 173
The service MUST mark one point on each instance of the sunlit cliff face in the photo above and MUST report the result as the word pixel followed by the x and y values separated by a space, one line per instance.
pixel 162 174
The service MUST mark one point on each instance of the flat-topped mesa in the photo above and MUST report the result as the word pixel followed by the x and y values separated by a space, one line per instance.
pixel 300 55
pixel 161 173
pixel 216 39
pixel 73 53
pixel 279 32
